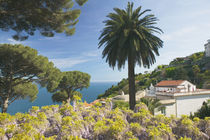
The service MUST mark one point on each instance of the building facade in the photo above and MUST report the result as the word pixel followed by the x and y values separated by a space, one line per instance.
pixel 179 97
pixel 175 86
pixel 207 48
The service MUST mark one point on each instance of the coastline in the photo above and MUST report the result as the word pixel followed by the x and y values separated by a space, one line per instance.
pixel 44 98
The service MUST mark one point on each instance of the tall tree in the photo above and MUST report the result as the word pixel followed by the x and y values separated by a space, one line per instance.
pixel 20 68
pixel 196 71
pixel 69 84
pixel 129 36
pixel 46 16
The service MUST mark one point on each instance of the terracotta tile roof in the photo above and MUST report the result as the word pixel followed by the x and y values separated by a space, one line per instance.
pixel 169 83
pixel 86 104
pixel 92 103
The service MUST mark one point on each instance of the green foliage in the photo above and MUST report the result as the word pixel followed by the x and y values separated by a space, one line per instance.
pixel 114 90
pixel 176 73
pixel 26 90
pixel 74 138
pixel 151 103
pixel 177 61
pixel 197 56
pixel 136 128
pixel 100 127
pixel 5 118
pixel 20 68
pixel 81 2
pixel 186 121
pixel 98 122
pixel 113 127
pixel 34 109
pixel 196 119
pixel 160 67
pixel 204 111
pixel 185 138
pixel 130 35
pixel 121 104
pixel 193 68
pixel 2 133
pixel 170 72
pixel 70 82
pixel 47 17
pixel 161 129
pixel 196 69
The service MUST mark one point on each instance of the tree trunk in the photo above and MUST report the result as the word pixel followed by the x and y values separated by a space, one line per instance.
pixel 74 105
pixel 131 78
pixel 5 105
pixel 68 100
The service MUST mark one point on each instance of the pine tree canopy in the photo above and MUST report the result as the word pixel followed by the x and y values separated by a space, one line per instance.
pixel 46 16
pixel 70 83
pixel 20 68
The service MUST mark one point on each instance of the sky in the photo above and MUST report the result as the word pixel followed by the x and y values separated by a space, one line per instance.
pixel 186 26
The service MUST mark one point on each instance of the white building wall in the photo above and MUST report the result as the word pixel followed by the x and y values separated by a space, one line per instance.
pixel 169 110
pixel 188 87
pixel 207 49
pixel 184 87
pixel 187 104
pixel 181 86
pixel 156 112
pixel 165 89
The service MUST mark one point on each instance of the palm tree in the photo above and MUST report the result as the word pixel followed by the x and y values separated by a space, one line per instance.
pixel 152 104
pixel 130 36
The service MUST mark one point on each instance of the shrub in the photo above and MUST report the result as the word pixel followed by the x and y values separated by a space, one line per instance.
pixel 121 104
pixel 98 122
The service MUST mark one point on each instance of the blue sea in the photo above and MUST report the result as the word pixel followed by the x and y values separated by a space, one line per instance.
pixel 44 98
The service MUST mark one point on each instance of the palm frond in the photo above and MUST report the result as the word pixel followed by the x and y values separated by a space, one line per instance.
pixel 130 32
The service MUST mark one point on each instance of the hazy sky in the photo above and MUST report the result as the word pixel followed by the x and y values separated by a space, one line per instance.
pixel 186 26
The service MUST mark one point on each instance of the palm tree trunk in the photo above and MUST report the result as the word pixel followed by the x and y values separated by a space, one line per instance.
pixel 131 78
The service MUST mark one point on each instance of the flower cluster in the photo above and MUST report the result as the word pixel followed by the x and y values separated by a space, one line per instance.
pixel 99 122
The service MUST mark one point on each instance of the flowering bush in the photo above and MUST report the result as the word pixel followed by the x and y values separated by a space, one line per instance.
pixel 99 122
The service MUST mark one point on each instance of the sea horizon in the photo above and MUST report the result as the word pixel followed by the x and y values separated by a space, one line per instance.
pixel 44 97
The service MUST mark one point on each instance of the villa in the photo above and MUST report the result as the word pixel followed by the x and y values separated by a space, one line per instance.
pixel 178 97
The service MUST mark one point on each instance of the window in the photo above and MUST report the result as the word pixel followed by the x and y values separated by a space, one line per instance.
pixel 163 110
